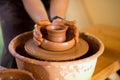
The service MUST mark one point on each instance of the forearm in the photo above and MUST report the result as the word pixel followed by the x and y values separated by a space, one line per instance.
pixel 35 9
pixel 58 8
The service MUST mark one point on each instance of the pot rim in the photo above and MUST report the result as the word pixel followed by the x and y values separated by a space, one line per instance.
pixel 49 28
pixel 37 62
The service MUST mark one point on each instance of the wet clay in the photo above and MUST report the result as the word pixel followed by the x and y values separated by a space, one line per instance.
pixel 56 33
pixel 40 32
pixel 59 42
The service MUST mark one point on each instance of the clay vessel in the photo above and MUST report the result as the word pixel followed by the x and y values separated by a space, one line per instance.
pixel 55 46
pixel 15 74
pixel 56 39
pixel 81 68
pixel 56 33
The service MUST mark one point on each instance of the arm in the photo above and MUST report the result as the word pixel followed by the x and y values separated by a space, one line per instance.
pixel 58 8
pixel 37 12
pixel 35 9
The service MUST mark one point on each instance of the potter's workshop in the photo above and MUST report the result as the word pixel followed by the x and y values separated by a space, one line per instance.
pixel 59 40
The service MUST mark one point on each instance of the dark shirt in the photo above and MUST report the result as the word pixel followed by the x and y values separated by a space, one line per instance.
pixel 14 21
pixel 8 7
pixel 2 2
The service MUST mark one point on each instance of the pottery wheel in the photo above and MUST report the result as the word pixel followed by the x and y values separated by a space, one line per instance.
pixel 76 51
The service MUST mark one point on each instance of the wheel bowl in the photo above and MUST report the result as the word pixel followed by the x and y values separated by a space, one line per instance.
pixel 81 68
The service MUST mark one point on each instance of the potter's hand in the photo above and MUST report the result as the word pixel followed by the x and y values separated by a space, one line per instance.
pixel 72 29
pixel 37 35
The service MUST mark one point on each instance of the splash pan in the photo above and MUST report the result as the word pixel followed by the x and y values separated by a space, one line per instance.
pixel 80 68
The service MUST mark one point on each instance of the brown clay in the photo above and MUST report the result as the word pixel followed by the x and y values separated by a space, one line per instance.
pixel 72 52
pixel 15 74
pixel 59 37
pixel 40 31
pixel 56 37
pixel 56 33
pixel 43 23
pixel 54 46
pixel 81 68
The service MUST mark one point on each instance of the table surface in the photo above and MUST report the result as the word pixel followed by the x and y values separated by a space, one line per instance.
pixel 109 61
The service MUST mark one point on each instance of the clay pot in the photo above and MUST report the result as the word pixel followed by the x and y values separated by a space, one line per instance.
pixel 15 74
pixel 56 33
pixel 81 68
pixel 54 46
pixel 56 39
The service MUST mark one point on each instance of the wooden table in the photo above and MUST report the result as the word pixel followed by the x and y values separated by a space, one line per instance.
pixel 109 61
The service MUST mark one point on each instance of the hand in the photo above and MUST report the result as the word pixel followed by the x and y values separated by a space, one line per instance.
pixel 43 23
pixel 37 34
pixel 72 29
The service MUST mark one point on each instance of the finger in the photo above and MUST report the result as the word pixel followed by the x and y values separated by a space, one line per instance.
pixel 43 22
pixel 37 36
pixel 37 27
pixel 74 29
pixel 35 33
pixel 76 34
pixel 66 22
pixel 38 43
pixel 38 39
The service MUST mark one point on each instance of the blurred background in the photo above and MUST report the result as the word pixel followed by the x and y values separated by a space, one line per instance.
pixel 90 12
